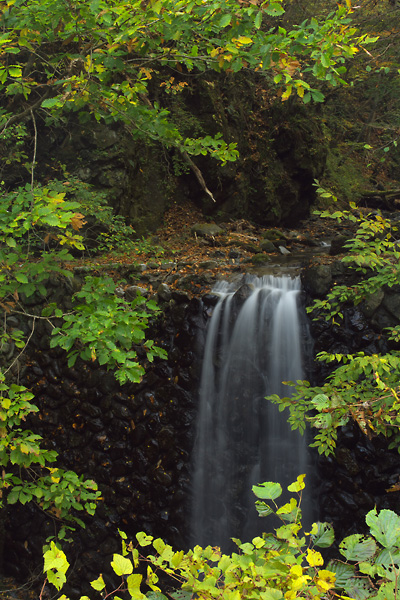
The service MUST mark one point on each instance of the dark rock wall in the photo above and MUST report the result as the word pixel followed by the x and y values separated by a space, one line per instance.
pixel 360 475
pixel 134 440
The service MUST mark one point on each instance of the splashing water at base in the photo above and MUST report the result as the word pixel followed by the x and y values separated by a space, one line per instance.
pixel 255 341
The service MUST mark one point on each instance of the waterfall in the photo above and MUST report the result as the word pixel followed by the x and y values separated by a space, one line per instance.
pixel 254 342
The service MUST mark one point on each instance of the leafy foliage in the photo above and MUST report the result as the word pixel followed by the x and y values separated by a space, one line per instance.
pixel 362 387
pixel 105 327
pixel 272 566
pixel 51 488
pixel 99 58
pixel 38 225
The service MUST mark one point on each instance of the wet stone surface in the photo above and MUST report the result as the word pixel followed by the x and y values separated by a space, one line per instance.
pixel 134 440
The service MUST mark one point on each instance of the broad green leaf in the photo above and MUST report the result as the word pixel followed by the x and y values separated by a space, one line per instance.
pixel 51 102
pixel 263 509
pixel 15 71
pixel 358 588
pixel 258 20
pixel 268 490
pixel 21 278
pixel 388 557
pixel 225 20
pixel 342 571
pixel 134 582
pixel 271 594
pixel 384 526
pixel 357 548
pixel 322 534
pixel 121 565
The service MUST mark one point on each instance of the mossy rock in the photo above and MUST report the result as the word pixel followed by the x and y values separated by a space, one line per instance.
pixel 274 234
pixel 267 246
pixel 260 259
pixel 206 229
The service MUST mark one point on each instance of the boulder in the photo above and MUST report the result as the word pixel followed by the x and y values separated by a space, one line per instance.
pixel 206 229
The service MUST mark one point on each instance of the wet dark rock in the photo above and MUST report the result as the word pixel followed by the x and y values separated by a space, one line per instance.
pixel 164 292
pixel 95 425
pixel 133 291
pixel 162 477
pixel 337 245
pixel 317 280
pixel 180 297
pixel 346 500
pixel 392 304
pixel 91 410
pixel 234 253
pixel 178 313
pixel 373 301
pixel 121 467
pixel 138 434
pixel 208 264
pixel 210 299
pixel 357 320
pixel 166 437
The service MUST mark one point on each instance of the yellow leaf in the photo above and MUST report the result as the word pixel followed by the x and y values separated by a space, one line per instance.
pixel 296 570
pixel 242 40
pixel 286 94
pixel 325 580
pixel 314 558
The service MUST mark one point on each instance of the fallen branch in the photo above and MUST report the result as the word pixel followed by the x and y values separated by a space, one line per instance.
pixel 198 174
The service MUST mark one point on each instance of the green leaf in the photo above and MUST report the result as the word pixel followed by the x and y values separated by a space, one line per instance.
pixel 343 572
pixel 98 584
pixel 357 548
pixel 15 71
pixel 268 490
pixel 121 565
pixel 322 534
pixel 263 509
pixel 384 526
pixel 271 594
pixel 225 20
pixel 21 278
pixel 358 588
pixel 143 539
pixel 316 96
pixel 51 102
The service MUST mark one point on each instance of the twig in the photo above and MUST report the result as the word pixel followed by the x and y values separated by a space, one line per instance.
pixel 198 174
pixel 24 113
pixel 23 349
pixel 34 150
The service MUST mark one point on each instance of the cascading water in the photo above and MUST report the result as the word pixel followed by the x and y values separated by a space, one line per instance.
pixel 254 342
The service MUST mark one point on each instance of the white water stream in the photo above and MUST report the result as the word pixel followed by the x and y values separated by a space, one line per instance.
pixel 255 341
